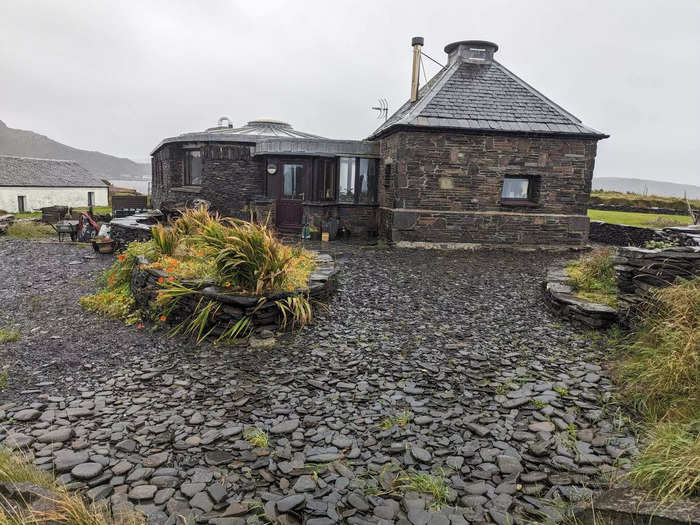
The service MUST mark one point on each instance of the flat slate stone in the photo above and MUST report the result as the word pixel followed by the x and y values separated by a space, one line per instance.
pixel 86 471
pixel 286 427
pixel 143 492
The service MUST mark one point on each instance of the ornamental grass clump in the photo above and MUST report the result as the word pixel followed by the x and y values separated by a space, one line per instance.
pixel 199 249
pixel 593 277
pixel 660 377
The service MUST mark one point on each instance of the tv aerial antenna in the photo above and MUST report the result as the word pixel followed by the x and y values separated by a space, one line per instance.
pixel 382 108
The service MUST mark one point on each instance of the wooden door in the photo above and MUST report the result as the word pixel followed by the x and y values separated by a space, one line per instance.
pixel 289 186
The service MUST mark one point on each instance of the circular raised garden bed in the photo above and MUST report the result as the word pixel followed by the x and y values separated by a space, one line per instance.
pixel 228 308
pixel 560 296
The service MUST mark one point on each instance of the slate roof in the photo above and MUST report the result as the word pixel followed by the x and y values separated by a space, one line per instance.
pixel 253 132
pixel 27 171
pixel 485 97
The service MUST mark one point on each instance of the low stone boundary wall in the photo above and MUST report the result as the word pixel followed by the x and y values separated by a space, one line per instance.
pixel 265 314
pixel 638 209
pixel 560 298
pixel 623 235
pixel 638 271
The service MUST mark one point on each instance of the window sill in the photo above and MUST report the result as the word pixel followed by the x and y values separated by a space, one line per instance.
pixel 519 203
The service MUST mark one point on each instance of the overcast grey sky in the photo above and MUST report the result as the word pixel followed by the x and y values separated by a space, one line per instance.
pixel 119 76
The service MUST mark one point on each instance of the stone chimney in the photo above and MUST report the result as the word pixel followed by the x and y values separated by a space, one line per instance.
pixel 475 51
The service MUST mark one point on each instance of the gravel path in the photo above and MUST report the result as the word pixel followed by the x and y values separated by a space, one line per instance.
pixel 436 362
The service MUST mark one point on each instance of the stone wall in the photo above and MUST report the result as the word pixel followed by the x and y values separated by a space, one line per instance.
pixel 637 209
pixel 623 235
pixel 447 186
pixel 231 177
pixel 124 230
pixel 359 219
pixel 561 298
pixel 638 271
pixel 230 307
pixel 483 228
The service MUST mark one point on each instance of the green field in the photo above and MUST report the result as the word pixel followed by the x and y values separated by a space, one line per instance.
pixel 645 220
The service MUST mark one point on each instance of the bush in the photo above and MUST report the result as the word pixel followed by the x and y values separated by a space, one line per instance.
pixel 593 277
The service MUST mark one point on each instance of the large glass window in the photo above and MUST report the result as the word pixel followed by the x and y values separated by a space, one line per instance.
pixel 347 179
pixel 293 180
pixel 367 180
pixel 516 188
pixel 193 168
pixel 327 186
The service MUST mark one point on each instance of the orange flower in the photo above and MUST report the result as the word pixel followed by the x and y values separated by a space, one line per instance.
pixel 160 279
pixel 170 270
pixel 162 318
pixel 171 278
pixel 121 257
pixel 139 326
pixel 227 284
pixel 111 280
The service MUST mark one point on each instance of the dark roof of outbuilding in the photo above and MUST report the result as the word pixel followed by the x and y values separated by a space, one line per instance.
pixel 484 96
pixel 27 171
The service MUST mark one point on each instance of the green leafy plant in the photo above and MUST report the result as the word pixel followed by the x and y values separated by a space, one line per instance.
pixel 400 420
pixel 538 404
pixel 660 245
pixel 165 239
pixel 296 310
pixel 256 437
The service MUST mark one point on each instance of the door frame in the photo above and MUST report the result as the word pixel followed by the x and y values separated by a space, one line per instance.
pixel 275 187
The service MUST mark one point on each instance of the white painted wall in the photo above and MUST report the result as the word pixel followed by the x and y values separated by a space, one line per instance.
pixel 39 197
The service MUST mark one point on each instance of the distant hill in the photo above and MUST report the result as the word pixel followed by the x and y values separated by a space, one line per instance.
pixel 24 143
pixel 648 187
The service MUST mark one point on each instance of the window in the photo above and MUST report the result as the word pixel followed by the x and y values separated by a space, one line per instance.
pixel 517 188
pixel 193 168
pixel 91 198
pixel 367 181
pixel 358 180
pixel 347 179
pixel 293 180
pixel 327 180
pixel 21 204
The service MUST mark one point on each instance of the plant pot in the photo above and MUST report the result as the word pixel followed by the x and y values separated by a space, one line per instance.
pixel 103 246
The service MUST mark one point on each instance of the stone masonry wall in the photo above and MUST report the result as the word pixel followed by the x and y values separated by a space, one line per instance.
pixel 490 228
pixel 446 187
pixel 231 177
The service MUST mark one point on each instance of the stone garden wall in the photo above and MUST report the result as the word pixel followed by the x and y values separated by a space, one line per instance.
pixel 231 307
pixel 638 271
pixel 137 227
pixel 560 297
pixel 623 235
pixel 636 209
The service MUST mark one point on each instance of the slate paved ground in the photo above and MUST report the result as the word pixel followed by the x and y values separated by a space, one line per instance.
pixel 505 403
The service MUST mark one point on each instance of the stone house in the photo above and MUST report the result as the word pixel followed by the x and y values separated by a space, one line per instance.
pixel 28 184
pixel 474 157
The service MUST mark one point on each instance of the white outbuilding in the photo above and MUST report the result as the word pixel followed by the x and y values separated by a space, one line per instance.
pixel 28 184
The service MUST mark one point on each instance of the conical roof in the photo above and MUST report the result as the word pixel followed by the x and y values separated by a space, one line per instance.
pixel 475 92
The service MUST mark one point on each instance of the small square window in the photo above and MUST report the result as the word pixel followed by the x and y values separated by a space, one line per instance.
pixel 517 188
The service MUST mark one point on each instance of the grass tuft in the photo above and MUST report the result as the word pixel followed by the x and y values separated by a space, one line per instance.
pixel 256 437
pixel 8 335
pixel 70 508
pixel 670 464
pixel 401 420
pixel 30 230
pixel 593 277
pixel 425 483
